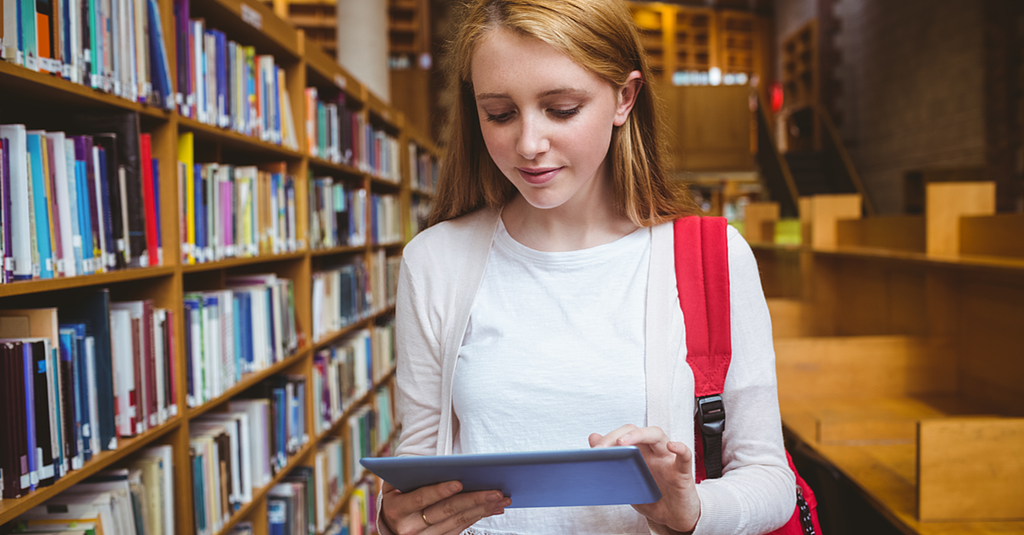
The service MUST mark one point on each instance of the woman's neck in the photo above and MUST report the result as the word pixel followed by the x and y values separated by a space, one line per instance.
pixel 570 227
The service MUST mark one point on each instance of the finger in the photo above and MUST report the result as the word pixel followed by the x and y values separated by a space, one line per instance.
pixel 463 519
pixel 424 497
pixel 594 439
pixel 684 456
pixel 651 436
pixel 611 438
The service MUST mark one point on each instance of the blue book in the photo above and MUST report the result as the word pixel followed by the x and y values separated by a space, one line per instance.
pixel 30 415
pixel 200 211
pixel 198 489
pixel 92 309
pixel 222 78
pixel 85 204
pixel 76 334
pixel 236 315
pixel 160 70
pixel 156 198
pixel 276 105
pixel 247 348
pixel 277 516
pixel 8 237
pixel 280 426
pixel 40 203
pixel 27 33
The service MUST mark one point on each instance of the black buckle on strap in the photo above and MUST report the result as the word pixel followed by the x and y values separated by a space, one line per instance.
pixel 711 415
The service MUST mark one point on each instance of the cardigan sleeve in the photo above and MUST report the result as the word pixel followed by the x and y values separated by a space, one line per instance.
pixel 756 493
pixel 418 374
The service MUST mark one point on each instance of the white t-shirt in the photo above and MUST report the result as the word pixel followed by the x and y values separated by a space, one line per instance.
pixel 553 353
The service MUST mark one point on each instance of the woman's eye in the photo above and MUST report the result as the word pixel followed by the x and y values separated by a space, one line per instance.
pixel 499 117
pixel 565 114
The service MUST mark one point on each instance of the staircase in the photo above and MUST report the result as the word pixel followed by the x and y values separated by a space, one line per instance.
pixel 815 173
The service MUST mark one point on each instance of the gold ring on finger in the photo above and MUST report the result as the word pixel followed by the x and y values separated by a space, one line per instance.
pixel 423 515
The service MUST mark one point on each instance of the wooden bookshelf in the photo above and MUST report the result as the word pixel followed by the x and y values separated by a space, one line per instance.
pixel 690 38
pixel 27 96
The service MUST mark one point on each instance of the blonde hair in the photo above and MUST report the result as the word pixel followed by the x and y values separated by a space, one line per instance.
pixel 600 36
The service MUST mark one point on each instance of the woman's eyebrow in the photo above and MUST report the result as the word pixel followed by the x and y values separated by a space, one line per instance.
pixel 557 91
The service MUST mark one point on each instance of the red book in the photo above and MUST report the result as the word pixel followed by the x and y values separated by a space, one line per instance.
pixel 149 199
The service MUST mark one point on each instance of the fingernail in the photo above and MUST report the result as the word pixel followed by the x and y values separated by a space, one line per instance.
pixel 507 502
pixel 494 496
pixel 625 438
pixel 454 487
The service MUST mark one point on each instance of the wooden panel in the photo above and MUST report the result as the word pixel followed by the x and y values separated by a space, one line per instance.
pixel 824 213
pixel 901 233
pixel 787 318
pixel 708 127
pixel 971 468
pixel 863 366
pixel 999 235
pixel 754 215
pixel 946 203
pixel 780 271
pixel 992 355
pixel 861 422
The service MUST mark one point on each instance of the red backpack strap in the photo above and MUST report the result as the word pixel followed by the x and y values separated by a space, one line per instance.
pixel 702 279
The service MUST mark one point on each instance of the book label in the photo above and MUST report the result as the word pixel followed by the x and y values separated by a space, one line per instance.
pixel 9 263
pixel 252 17
pixel 37 271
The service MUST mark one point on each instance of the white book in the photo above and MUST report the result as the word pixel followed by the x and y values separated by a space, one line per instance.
pixel 194 321
pixel 166 454
pixel 124 368
pixel 60 173
pixel 211 345
pixel 229 362
pixel 320 479
pixel 258 411
pixel 199 63
pixel 137 312
pixel 21 238
pixel 160 363
pixel 116 487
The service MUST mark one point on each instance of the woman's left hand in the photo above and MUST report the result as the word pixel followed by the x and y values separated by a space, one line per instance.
pixel 670 464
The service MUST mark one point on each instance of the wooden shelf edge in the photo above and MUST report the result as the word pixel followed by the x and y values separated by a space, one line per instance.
pixel 83 281
pixel 50 81
pixel 235 262
pixel 339 250
pixel 340 167
pixel 247 382
pixel 11 509
pixel 256 144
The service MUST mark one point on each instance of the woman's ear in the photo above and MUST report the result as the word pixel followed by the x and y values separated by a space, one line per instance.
pixel 626 97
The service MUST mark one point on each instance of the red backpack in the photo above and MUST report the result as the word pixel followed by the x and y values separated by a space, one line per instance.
pixel 702 278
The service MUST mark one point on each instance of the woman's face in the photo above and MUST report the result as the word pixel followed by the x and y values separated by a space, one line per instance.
pixel 547 122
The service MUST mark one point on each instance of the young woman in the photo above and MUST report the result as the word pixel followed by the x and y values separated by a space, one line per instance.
pixel 539 310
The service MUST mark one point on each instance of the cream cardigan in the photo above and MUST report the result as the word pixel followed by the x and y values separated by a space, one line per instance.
pixel 440 274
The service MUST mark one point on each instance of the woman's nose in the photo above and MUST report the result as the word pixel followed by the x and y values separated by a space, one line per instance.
pixel 533 139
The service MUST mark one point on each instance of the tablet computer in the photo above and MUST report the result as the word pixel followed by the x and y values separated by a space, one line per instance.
pixel 593 476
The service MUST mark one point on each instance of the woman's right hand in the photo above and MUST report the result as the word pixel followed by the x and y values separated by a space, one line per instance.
pixel 438 509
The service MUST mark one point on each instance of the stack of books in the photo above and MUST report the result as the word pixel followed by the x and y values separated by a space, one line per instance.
pixel 337 213
pixel 60 369
pixel 385 219
pixel 229 85
pixel 242 329
pixel 341 297
pixel 78 204
pixel 136 500
pixel 116 47
pixel 232 211
pixel 342 374
pixel 332 129
pixel 379 154
pixel 423 169
pixel 291 504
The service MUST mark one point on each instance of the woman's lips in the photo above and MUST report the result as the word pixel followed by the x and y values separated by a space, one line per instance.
pixel 538 175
